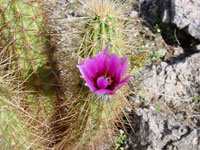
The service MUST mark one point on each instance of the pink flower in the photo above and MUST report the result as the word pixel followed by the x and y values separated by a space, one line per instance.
pixel 103 73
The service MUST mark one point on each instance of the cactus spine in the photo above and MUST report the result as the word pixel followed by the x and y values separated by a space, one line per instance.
pixel 12 132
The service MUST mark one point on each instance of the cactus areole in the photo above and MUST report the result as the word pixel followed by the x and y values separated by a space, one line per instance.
pixel 103 73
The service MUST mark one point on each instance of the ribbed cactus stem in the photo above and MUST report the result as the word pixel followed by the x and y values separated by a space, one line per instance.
pixel 21 23
pixel 100 119
pixel 100 32
pixel 12 132
pixel 93 122
pixel 22 29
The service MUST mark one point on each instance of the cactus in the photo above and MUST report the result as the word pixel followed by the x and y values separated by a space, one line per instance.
pixel 12 132
pixel 102 31
pixel 100 123
pixel 87 121
pixel 13 135
pixel 22 26
pixel 23 115
pixel 26 57
pixel 104 26
pixel 90 122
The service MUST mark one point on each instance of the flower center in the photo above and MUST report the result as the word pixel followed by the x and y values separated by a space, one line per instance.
pixel 102 83
pixel 109 80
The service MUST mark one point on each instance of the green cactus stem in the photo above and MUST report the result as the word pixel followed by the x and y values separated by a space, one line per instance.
pixel 91 122
pixel 102 28
pixel 106 25
pixel 13 135
pixel 100 121
pixel 22 25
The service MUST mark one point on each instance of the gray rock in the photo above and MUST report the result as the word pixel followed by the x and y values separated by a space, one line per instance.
pixel 198 47
pixel 163 65
pixel 176 83
pixel 133 14
pixel 184 14
pixel 158 131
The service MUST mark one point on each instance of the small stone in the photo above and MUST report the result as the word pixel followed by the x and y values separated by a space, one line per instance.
pixel 143 143
pixel 133 14
pixel 127 109
pixel 176 53
pixel 137 101
pixel 198 47
pixel 154 67
pixel 195 141
pixel 79 13
pixel 173 77
pixel 151 107
pixel 163 65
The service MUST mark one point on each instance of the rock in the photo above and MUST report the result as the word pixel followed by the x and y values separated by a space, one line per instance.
pixel 175 82
pixel 158 131
pixel 162 52
pixel 185 14
pixel 133 14
pixel 182 15
pixel 163 65
pixel 198 47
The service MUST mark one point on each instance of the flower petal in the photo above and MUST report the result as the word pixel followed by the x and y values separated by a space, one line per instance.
pixel 125 80
pixel 102 61
pixel 114 63
pixel 103 73
pixel 102 83
pixel 118 75
pixel 124 65
pixel 81 60
pixel 91 66
pixel 86 76
pixel 91 86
